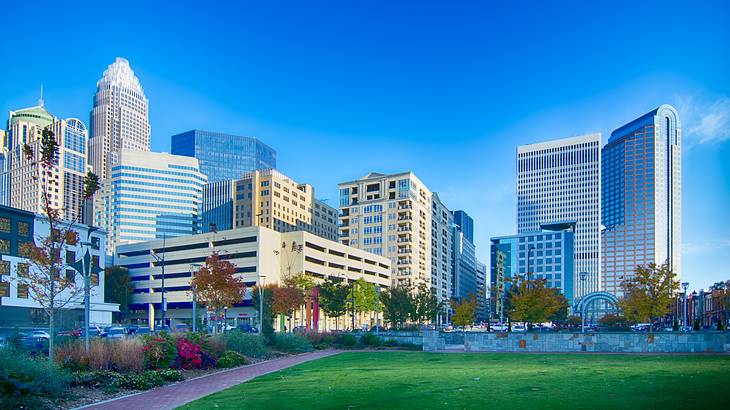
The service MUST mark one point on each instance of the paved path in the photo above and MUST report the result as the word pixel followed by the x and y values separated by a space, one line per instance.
pixel 169 397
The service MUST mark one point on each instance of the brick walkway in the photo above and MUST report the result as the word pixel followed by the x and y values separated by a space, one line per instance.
pixel 169 397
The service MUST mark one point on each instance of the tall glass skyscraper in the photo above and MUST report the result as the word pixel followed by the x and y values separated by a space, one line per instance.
pixel 560 181
pixel 119 118
pixel 642 196
pixel 224 156
pixel 465 223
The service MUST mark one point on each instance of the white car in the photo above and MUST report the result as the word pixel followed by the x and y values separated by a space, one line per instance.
pixel 519 328
pixel 498 327
pixel 39 334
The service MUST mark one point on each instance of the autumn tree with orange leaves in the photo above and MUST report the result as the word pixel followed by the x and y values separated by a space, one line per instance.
pixel 216 285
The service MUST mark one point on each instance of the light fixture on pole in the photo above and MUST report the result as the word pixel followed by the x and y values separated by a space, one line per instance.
pixel 163 300
pixel 685 285
pixel 193 269
pixel 582 302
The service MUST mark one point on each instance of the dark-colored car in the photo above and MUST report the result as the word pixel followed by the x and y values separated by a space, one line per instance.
pixel 246 328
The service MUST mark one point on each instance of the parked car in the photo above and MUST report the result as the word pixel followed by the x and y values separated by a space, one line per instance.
pixel 498 327
pixel 641 327
pixel 518 328
pixel 115 332
pixel 246 328
pixel 182 327
pixel 39 334
pixel 142 330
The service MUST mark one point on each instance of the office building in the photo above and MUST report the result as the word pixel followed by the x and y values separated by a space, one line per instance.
pixel 224 156
pixel 119 117
pixel 3 169
pixel 502 259
pixel 545 254
pixel 560 180
pixel 642 196
pixel 465 223
pixel 441 249
pixel 18 307
pixel 464 279
pixel 150 195
pixel 24 178
pixel 390 215
pixel 261 255
pixel 270 199
pixel 482 314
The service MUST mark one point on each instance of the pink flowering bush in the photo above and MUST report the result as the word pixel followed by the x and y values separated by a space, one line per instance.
pixel 188 354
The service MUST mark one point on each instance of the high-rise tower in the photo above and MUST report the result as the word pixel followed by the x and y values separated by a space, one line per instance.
pixel 560 181
pixel 119 119
pixel 642 196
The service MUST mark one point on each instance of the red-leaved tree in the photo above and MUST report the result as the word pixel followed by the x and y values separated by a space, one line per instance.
pixel 217 286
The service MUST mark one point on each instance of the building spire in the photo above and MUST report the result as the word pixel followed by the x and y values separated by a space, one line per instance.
pixel 40 100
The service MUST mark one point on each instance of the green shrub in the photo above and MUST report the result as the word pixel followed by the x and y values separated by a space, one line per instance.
pixel 292 343
pixel 231 359
pixel 171 375
pixel 322 340
pixel 248 344
pixel 345 340
pixel 411 346
pixel 369 339
pixel 26 382
pixel 160 352
pixel 139 381
pixel 391 343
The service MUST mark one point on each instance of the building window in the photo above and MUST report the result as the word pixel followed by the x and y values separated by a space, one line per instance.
pixel 22 291
pixel 70 275
pixel 23 270
pixel 4 267
pixel 4 289
pixel 4 246
pixel 5 225
pixel 23 228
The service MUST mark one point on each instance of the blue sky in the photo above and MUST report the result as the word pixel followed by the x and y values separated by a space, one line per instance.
pixel 447 90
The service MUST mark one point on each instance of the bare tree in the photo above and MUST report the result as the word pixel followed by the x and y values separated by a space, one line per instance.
pixel 51 285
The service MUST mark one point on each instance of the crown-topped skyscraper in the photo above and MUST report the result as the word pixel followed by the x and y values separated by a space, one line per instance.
pixel 119 119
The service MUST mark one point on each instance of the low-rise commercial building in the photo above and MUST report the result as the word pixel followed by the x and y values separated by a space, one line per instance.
pixel 261 255
pixel 19 307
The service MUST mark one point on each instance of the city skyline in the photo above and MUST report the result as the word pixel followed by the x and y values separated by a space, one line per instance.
pixel 484 141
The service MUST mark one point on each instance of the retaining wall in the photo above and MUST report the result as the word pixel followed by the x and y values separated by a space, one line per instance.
pixel 619 342
pixel 403 337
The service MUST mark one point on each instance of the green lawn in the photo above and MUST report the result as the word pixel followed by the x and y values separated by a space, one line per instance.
pixel 448 380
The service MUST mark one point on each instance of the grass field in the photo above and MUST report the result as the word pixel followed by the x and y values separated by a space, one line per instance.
pixel 443 380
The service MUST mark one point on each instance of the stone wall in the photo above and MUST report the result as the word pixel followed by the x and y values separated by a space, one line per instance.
pixel 624 342
pixel 403 337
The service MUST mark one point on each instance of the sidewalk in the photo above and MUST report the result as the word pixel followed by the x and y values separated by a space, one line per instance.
pixel 169 397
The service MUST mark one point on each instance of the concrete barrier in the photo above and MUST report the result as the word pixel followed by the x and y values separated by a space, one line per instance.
pixel 614 342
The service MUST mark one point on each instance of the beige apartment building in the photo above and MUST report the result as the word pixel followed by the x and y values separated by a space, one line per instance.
pixel 261 255
pixel 24 178
pixel 269 199
pixel 391 215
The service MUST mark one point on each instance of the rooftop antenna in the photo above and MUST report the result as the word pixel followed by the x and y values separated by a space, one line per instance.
pixel 40 101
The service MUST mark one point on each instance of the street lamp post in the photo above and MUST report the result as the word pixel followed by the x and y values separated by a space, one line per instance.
pixel 192 288
pixel 261 305
pixel 685 285
pixel 163 300
pixel 582 301
pixel 84 266
pixel 377 309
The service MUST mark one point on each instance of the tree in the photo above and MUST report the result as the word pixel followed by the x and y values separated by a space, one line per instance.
pixel 464 311
pixel 48 278
pixel 614 322
pixel 117 289
pixel 427 306
pixel 649 294
pixel 398 305
pixel 364 296
pixel 532 302
pixel 286 300
pixel 216 285
pixel 333 297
